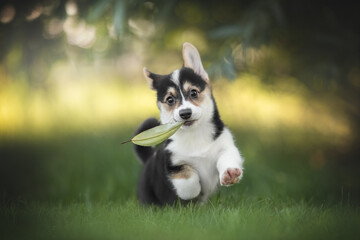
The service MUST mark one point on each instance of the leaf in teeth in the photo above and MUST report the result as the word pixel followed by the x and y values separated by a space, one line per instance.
pixel 156 135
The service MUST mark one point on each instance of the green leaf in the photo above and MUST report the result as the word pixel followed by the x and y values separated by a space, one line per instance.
pixel 156 135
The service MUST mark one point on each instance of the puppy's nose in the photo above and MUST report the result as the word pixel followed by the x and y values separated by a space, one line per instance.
pixel 185 113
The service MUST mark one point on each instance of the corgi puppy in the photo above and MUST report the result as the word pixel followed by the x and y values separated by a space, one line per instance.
pixel 201 155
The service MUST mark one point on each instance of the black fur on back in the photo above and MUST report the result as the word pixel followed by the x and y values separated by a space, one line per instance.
pixel 216 120
pixel 144 153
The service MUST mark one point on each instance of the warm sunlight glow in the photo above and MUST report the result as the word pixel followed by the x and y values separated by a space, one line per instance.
pixel 92 103
pixel 248 103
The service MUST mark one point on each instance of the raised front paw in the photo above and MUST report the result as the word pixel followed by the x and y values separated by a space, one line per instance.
pixel 230 176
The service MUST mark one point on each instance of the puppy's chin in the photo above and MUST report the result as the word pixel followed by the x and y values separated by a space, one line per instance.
pixel 189 123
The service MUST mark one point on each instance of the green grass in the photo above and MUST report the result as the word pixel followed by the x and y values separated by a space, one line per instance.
pixel 228 218
pixel 83 186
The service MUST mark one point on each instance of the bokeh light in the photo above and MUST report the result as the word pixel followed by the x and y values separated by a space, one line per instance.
pixel 7 14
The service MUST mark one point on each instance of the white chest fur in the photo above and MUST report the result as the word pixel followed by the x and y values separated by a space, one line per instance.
pixel 198 149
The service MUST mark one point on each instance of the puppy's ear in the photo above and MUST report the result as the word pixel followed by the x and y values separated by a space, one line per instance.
pixel 192 60
pixel 152 78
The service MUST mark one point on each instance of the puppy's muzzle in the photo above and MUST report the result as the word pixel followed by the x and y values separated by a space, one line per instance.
pixel 185 113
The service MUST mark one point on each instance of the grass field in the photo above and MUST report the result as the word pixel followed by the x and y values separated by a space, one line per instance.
pixel 223 218
pixel 83 186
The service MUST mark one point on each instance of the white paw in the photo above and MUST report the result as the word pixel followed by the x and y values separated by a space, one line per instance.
pixel 231 176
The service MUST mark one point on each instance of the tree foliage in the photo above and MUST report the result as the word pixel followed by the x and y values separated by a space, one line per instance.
pixel 320 38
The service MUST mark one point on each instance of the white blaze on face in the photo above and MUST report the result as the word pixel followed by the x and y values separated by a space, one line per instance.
pixel 196 111
pixel 175 77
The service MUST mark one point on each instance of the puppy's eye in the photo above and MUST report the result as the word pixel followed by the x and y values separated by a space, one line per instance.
pixel 170 101
pixel 193 94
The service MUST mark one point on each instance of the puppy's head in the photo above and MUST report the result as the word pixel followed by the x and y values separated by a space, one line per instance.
pixel 185 94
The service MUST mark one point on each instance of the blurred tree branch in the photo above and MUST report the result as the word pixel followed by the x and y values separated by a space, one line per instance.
pixel 320 38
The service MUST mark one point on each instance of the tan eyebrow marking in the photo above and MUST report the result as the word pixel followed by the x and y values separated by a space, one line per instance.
pixel 202 94
pixel 188 86
pixel 171 92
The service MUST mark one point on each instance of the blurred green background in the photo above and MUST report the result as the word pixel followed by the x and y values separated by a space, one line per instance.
pixel 285 74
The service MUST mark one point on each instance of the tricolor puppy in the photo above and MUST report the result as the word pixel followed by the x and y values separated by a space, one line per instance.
pixel 201 154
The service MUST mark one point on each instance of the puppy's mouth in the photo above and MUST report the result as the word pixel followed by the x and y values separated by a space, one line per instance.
pixel 189 122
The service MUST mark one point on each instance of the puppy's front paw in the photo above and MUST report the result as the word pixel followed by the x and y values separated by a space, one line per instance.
pixel 230 176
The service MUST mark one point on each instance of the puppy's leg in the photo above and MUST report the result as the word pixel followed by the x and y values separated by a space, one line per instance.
pixel 229 166
pixel 186 183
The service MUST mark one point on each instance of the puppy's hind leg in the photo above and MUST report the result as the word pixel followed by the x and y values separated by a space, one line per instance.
pixel 186 182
